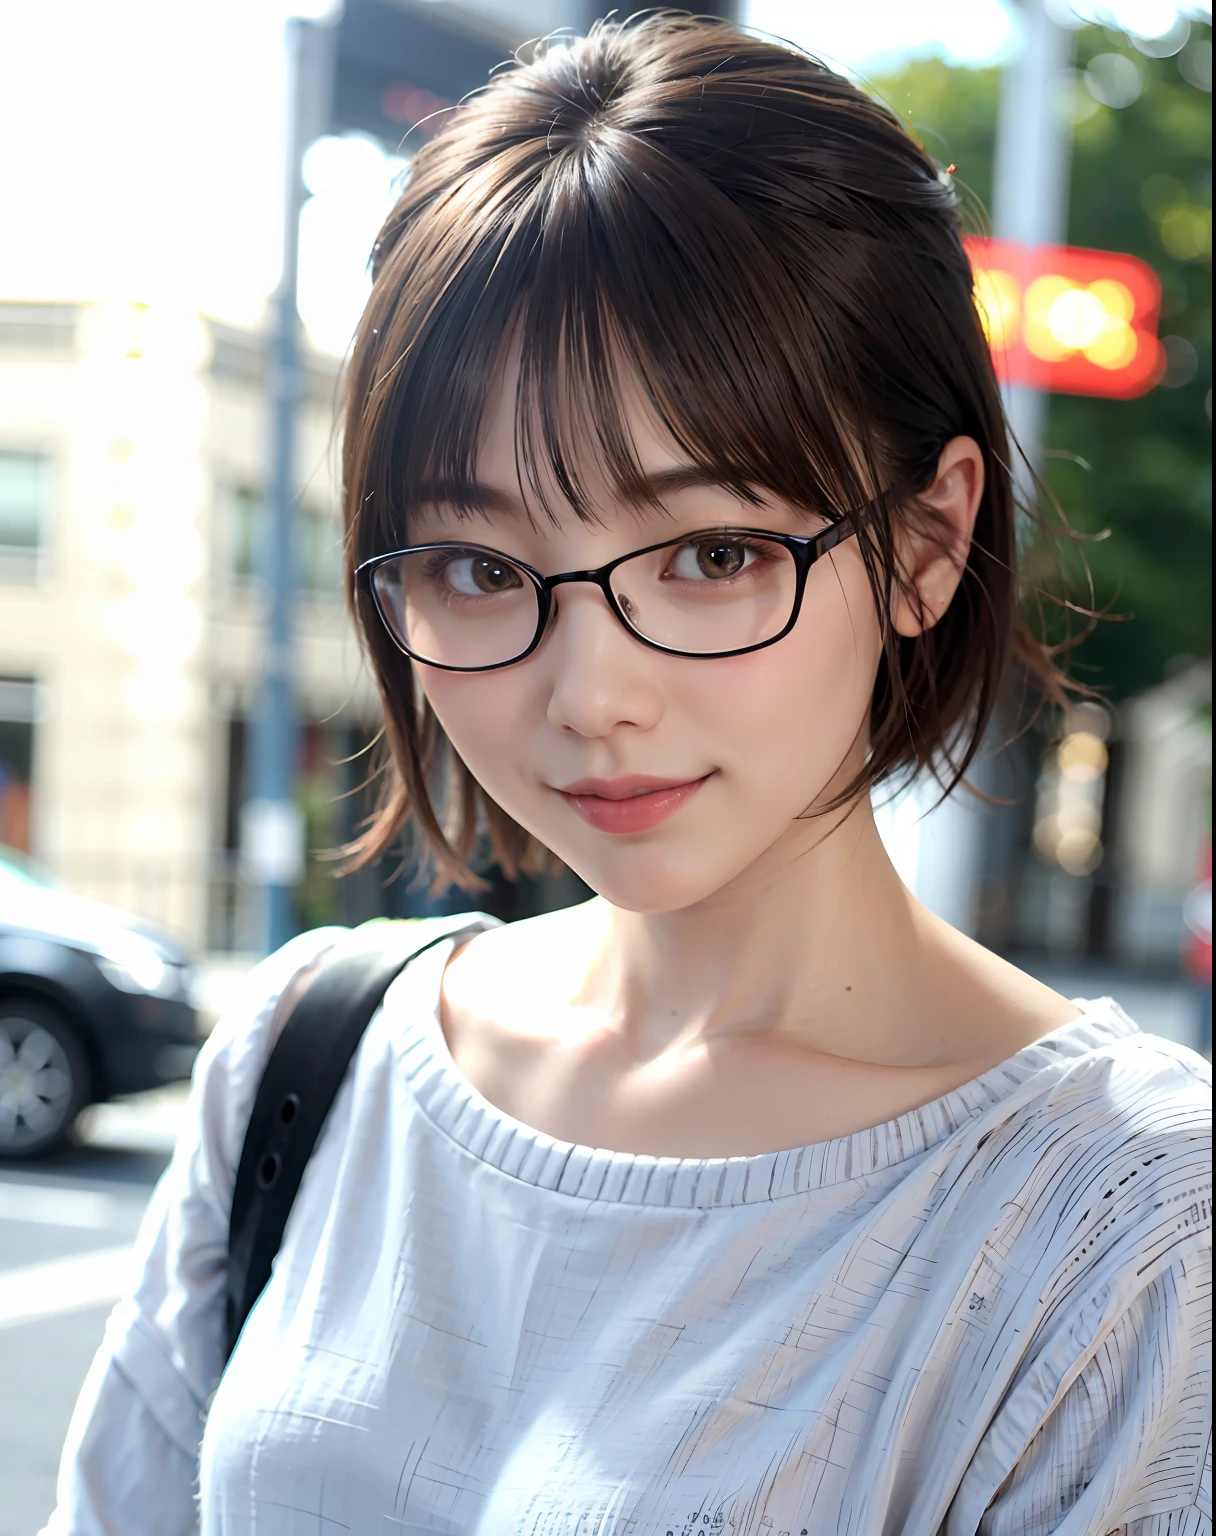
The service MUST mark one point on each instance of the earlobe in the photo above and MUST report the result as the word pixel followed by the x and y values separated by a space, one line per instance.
pixel 934 543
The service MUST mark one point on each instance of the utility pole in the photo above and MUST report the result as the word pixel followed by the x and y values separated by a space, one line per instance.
pixel 1030 183
pixel 272 829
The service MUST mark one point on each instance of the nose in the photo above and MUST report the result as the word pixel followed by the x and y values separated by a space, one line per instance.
pixel 600 677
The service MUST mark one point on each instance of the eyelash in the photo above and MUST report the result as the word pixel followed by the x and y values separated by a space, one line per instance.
pixel 439 559
pixel 762 548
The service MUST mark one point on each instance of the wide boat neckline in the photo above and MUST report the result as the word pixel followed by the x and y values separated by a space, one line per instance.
pixel 521 1152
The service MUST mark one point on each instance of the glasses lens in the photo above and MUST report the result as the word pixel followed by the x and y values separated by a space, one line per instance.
pixel 458 606
pixel 712 593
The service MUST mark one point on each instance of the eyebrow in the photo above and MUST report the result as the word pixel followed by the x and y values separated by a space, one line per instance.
pixel 645 491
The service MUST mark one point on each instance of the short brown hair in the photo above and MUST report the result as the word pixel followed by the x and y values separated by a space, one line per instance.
pixel 780 263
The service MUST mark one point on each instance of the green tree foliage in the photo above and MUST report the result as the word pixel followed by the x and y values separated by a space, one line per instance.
pixel 1141 183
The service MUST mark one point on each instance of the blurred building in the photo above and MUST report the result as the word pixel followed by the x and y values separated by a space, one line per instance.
pixel 1091 848
pixel 131 505
pixel 1164 813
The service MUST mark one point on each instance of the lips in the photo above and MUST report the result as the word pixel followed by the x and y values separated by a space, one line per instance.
pixel 632 804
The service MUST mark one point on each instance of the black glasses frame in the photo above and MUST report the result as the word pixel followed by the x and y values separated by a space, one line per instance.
pixel 805 548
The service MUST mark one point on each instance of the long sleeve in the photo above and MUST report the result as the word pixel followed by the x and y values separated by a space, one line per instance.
pixel 1124 1429
pixel 129 1465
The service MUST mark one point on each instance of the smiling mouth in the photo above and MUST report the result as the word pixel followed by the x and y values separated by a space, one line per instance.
pixel 629 805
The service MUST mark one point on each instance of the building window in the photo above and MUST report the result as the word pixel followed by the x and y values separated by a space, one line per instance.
pixel 318 542
pixel 24 490
pixel 245 517
pixel 18 713
pixel 320 551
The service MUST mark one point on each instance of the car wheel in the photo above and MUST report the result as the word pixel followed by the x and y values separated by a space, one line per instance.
pixel 44 1078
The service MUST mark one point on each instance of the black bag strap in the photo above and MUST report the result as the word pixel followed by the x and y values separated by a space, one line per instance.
pixel 300 1082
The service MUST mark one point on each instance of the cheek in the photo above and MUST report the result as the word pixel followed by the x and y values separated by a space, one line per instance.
pixel 803 700
pixel 482 714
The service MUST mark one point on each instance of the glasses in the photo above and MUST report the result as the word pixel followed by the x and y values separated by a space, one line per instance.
pixel 723 592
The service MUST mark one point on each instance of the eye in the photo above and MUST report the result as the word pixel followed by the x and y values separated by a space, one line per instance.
pixel 712 560
pixel 476 575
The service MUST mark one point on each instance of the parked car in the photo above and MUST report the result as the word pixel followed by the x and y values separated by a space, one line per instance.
pixel 93 1003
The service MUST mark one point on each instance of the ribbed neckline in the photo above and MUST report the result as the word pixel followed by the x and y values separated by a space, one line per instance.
pixel 521 1152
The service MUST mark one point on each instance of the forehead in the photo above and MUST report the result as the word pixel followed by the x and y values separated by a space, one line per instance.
pixel 510 425
pixel 511 483
pixel 558 431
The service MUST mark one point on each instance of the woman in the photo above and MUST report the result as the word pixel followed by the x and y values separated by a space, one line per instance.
pixel 678 515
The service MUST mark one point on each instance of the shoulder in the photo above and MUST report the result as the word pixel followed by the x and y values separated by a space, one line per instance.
pixel 1112 1080
pixel 233 1059
pixel 1150 1105
pixel 1109 1093
pixel 230 1065
pixel 248 1028
pixel 1098 1165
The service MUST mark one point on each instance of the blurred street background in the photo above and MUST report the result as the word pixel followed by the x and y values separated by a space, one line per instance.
pixel 191 195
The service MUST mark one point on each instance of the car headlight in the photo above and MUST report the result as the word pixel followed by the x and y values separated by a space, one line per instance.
pixel 134 964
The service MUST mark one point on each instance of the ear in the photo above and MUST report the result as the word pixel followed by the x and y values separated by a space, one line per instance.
pixel 933 557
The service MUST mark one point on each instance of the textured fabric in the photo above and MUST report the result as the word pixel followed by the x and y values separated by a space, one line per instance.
pixel 990 1315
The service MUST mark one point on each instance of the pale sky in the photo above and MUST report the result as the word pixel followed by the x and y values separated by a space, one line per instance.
pixel 142 143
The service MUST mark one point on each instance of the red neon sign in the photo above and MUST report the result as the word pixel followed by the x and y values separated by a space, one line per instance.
pixel 1069 320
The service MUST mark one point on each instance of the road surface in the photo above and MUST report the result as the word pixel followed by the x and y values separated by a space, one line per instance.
pixel 66 1227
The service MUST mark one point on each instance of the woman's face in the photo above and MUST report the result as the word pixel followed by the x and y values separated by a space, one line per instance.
pixel 727 753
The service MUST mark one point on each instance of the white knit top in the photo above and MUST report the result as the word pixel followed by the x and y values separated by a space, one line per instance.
pixel 991 1314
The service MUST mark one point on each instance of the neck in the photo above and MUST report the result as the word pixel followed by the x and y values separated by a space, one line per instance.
pixel 817 940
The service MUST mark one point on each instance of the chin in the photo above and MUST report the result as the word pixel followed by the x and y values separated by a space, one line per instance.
pixel 647 879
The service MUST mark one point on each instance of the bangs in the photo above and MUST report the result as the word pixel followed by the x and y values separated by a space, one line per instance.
pixel 616 273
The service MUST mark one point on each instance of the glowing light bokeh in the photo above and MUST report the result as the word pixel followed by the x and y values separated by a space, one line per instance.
pixel 1062 317
pixel 1067 319
pixel 998 297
